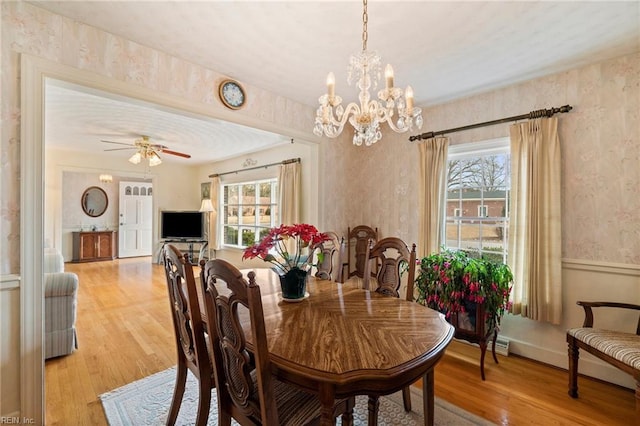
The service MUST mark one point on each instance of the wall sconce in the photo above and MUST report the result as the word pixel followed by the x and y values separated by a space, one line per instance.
pixel 106 178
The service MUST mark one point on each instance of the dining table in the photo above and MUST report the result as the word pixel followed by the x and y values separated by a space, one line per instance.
pixel 341 341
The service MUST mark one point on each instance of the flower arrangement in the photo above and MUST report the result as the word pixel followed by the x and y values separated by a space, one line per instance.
pixel 278 240
pixel 452 280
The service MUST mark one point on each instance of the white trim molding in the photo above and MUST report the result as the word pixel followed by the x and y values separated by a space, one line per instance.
pixel 9 282
pixel 604 267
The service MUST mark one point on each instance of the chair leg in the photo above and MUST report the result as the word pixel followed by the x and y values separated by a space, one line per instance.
pixel 347 416
pixel 204 401
pixel 573 367
pixel 406 398
pixel 638 399
pixel 178 393
pixel 374 405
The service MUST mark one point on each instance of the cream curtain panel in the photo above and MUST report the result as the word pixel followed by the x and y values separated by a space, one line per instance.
pixel 289 182
pixel 433 185
pixel 214 241
pixel 534 226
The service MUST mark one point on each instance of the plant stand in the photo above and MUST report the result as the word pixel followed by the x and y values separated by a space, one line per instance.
pixel 472 327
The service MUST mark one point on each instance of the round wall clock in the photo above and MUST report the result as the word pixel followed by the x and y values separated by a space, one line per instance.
pixel 232 94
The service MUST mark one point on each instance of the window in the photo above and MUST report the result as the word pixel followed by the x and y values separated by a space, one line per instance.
pixel 249 210
pixel 478 190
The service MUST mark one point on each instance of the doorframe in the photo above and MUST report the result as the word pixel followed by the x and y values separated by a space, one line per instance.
pixel 33 72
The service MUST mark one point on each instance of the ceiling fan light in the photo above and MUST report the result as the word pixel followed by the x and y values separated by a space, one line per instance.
pixel 154 160
pixel 135 158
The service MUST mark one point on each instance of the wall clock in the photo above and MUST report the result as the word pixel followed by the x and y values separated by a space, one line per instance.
pixel 232 94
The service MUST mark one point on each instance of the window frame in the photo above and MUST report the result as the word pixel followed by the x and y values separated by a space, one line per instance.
pixel 498 146
pixel 241 206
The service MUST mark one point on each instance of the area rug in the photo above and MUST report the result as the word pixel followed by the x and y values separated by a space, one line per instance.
pixel 147 401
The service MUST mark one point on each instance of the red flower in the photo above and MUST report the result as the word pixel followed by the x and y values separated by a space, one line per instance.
pixel 304 235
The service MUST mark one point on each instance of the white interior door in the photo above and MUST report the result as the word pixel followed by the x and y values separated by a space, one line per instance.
pixel 134 232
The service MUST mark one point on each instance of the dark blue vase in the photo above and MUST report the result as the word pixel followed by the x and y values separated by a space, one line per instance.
pixel 294 284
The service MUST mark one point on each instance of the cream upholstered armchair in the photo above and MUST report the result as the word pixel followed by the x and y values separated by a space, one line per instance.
pixel 60 299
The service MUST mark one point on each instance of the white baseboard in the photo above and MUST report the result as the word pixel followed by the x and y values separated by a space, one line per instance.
pixel 588 365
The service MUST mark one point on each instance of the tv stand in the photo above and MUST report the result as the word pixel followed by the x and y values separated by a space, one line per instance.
pixel 190 247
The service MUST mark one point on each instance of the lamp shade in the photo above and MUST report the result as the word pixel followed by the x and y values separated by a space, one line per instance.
pixel 207 206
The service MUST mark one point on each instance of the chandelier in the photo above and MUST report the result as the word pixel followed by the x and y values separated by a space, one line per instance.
pixel 393 107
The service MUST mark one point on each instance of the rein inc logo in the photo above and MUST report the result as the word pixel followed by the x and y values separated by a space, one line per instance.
pixel 16 420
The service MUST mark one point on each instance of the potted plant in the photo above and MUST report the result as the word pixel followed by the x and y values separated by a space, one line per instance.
pixel 453 282
pixel 292 267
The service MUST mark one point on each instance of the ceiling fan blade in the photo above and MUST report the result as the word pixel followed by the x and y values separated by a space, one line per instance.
pixel 119 143
pixel 179 154
pixel 120 149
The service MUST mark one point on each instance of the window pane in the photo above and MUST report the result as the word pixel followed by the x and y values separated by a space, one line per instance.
pixel 248 236
pixel 264 212
pixel 265 193
pixel 230 194
pixel 231 235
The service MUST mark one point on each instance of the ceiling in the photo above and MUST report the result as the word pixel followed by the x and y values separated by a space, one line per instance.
pixel 445 50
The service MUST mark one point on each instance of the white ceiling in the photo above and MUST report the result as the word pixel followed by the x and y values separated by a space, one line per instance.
pixel 445 50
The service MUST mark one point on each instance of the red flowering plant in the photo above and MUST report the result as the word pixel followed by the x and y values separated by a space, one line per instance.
pixel 274 247
pixel 454 282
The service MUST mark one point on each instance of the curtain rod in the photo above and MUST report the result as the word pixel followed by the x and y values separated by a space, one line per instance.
pixel 533 114
pixel 289 161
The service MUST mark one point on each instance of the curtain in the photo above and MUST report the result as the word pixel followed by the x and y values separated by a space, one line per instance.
pixel 214 242
pixel 535 251
pixel 433 182
pixel 289 193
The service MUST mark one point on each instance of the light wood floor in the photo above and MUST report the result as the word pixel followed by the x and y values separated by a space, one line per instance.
pixel 125 333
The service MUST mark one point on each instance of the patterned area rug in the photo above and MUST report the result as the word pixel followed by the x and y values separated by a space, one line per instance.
pixel 146 402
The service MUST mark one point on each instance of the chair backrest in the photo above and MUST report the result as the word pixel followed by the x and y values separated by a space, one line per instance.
pixel 240 396
pixel 392 257
pixel 359 236
pixel 185 309
pixel 330 268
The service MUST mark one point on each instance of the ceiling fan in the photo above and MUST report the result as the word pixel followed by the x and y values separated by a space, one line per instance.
pixel 146 150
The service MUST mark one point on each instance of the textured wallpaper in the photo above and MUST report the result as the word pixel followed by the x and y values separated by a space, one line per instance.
pixel 600 141
pixel 376 185
pixel 31 30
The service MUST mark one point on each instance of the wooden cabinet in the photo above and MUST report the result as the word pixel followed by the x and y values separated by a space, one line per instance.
pixel 94 245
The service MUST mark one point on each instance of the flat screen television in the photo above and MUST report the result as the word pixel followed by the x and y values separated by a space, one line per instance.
pixel 181 225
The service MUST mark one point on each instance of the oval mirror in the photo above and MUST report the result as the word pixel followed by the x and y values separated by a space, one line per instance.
pixel 94 201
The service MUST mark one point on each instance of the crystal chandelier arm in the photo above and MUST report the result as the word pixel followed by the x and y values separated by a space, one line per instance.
pixel 330 122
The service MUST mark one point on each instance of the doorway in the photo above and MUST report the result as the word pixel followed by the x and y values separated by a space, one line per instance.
pixel 135 216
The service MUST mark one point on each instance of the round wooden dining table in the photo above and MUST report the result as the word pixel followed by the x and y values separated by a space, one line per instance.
pixel 343 341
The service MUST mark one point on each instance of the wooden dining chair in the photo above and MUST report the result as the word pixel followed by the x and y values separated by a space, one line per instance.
pixel 247 390
pixel 391 258
pixel 358 237
pixel 331 251
pixel 189 333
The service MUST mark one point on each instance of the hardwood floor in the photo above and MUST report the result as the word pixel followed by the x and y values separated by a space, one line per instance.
pixel 125 334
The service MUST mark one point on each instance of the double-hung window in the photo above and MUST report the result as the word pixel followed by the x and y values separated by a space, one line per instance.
pixel 249 210
pixel 477 204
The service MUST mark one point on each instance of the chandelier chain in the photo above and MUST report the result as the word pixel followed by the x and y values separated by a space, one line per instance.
pixel 365 20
